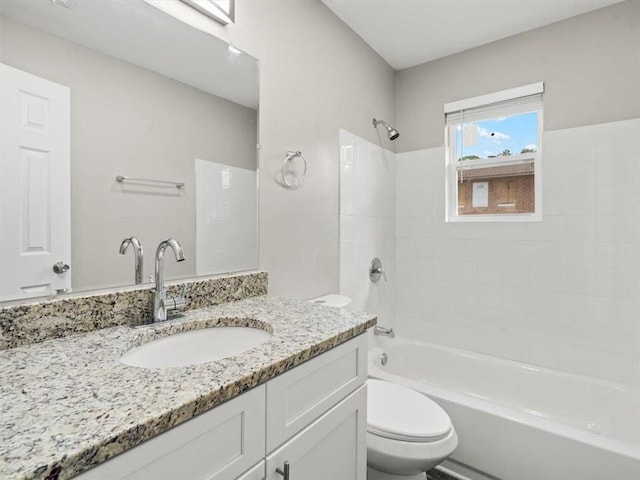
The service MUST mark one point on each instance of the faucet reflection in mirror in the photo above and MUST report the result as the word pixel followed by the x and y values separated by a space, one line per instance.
pixel 138 255
pixel 162 302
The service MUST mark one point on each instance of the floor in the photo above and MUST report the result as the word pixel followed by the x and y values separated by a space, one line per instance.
pixel 437 475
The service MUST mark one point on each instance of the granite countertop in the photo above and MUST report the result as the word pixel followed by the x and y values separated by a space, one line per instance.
pixel 68 404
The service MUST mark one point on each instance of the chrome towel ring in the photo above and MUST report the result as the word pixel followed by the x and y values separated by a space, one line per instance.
pixel 288 169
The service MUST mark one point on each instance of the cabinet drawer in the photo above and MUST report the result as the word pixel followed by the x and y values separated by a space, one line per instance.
pixel 256 473
pixel 333 447
pixel 220 444
pixel 298 397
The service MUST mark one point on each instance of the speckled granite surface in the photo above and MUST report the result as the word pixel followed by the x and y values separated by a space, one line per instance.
pixel 38 321
pixel 67 404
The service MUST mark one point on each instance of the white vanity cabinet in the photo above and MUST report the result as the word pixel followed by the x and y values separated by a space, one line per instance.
pixel 319 410
pixel 256 473
pixel 313 417
pixel 220 444
pixel 333 447
pixel 298 397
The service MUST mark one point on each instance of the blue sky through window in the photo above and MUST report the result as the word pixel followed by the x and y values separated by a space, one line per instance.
pixel 494 136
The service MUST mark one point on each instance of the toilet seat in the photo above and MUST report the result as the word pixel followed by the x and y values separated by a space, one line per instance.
pixel 400 413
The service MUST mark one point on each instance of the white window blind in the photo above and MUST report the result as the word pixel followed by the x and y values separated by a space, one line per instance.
pixel 495 97
pixel 514 106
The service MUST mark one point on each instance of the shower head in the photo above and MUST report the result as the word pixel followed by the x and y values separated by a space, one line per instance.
pixel 393 133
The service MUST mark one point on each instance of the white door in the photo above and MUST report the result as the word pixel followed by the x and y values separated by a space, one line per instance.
pixel 35 213
pixel 334 447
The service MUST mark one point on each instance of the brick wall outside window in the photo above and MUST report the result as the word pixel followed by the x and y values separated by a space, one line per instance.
pixel 507 194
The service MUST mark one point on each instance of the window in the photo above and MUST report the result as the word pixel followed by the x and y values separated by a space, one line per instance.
pixel 198 13
pixel 506 193
pixel 494 156
pixel 222 11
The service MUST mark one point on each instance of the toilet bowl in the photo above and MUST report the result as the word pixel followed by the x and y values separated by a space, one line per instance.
pixel 407 433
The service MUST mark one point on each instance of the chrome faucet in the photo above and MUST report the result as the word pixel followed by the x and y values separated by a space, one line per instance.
pixel 137 251
pixel 162 302
pixel 385 332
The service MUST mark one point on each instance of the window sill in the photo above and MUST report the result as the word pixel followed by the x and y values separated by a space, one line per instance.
pixel 504 217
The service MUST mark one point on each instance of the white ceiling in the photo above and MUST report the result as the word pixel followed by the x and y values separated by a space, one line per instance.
pixel 410 32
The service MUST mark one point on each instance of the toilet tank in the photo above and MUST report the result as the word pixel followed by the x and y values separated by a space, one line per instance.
pixel 332 300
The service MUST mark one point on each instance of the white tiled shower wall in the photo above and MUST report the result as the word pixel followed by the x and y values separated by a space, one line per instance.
pixel 226 218
pixel 367 225
pixel 562 293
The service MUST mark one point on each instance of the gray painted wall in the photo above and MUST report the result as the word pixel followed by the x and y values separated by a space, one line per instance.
pixel 590 65
pixel 130 121
pixel 316 76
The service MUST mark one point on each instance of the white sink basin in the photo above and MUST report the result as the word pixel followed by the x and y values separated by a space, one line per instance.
pixel 195 347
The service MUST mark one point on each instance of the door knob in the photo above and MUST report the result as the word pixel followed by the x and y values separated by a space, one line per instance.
pixel 60 268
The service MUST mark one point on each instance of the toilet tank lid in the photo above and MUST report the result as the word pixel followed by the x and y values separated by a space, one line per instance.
pixel 398 412
pixel 332 300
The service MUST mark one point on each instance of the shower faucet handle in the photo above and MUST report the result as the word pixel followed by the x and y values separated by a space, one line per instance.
pixel 376 271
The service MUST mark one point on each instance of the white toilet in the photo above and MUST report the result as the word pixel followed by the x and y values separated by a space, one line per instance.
pixel 407 433
pixel 332 300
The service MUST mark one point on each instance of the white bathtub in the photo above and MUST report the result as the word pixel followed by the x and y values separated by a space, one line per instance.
pixel 521 422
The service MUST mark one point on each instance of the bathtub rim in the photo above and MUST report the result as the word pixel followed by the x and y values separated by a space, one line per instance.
pixel 519 416
pixel 515 363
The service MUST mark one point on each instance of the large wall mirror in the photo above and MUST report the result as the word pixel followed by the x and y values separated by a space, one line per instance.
pixel 92 90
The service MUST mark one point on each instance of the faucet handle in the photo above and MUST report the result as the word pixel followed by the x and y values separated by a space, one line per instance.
pixel 175 303
pixel 376 271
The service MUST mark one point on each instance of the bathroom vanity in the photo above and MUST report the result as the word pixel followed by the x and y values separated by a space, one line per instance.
pixel 71 408
pixel 311 417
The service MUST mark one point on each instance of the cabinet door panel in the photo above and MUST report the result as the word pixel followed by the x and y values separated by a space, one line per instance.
pixel 218 445
pixel 256 473
pixel 333 447
pixel 299 396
